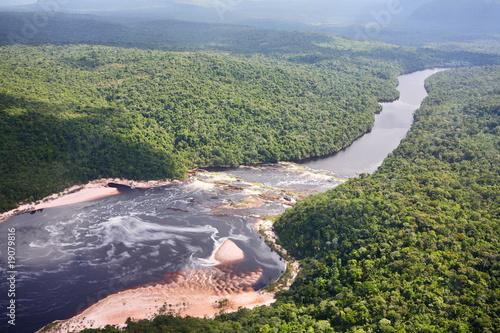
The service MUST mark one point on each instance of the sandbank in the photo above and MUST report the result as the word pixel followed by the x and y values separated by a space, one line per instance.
pixel 229 252
pixel 201 293
pixel 94 190
pixel 197 293
pixel 265 228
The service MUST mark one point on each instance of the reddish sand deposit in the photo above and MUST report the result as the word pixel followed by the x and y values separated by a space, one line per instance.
pixel 201 293
pixel 197 293
pixel 94 190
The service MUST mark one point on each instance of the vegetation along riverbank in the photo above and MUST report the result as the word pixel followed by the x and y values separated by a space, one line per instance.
pixel 411 248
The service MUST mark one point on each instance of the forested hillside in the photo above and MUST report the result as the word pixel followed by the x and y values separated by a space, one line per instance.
pixel 173 35
pixel 412 248
pixel 69 114
pixel 232 95
pixel 415 246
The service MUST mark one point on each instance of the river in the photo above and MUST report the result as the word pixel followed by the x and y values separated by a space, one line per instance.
pixel 69 257
pixel 368 152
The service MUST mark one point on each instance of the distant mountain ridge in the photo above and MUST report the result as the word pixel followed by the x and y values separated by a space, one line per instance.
pixel 414 23
pixel 142 8
pixel 311 13
pixel 468 15
pixel 415 15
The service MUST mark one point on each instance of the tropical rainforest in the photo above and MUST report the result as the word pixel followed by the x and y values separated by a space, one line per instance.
pixel 144 109
pixel 76 113
pixel 411 248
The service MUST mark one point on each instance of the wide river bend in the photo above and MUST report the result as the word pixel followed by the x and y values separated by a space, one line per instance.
pixel 69 257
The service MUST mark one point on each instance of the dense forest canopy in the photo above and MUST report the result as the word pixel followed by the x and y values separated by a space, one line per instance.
pixel 73 113
pixel 411 248
pixel 415 246
pixel 232 95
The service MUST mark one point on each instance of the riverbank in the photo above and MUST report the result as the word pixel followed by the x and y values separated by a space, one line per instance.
pixel 391 125
pixel 265 228
pixel 197 293
pixel 93 190
pixel 204 292
pixel 226 284
pixel 147 303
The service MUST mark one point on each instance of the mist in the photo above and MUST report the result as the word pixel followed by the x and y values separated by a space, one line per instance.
pixel 312 12
pixel 361 19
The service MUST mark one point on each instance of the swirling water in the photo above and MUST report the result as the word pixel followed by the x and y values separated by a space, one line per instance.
pixel 70 257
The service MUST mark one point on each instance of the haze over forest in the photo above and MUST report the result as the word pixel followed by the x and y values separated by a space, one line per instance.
pixel 148 90
pixel 478 15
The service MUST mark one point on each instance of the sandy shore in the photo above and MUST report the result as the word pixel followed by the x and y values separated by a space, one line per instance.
pixel 181 299
pixel 198 293
pixel 265 228
pixel 94 190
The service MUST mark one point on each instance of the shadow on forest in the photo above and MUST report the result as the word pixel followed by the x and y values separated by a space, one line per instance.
pixel 42 153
